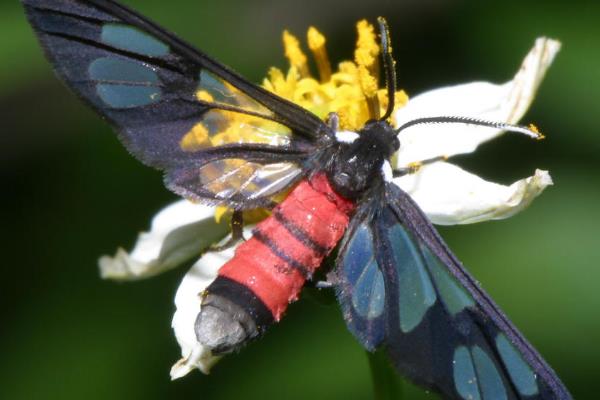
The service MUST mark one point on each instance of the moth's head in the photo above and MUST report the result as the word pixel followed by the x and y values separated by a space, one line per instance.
pixel 359 157
pixel 384 133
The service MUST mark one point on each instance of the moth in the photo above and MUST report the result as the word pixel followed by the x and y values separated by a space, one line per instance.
pixel 399 285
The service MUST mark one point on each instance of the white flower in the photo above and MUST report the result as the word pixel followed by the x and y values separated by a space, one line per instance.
pixel 446 193
pixel 188 300
pixel 178 233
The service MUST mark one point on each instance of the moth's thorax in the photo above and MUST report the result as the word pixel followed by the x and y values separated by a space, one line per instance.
pixel 357 163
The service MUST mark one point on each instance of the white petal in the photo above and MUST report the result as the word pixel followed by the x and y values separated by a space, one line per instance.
pixel 188 301
pixel 502 103
pixel 178 232
pixel 450 195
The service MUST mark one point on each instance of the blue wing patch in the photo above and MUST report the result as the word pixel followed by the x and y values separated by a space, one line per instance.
pixel 124 84
pixel 415 290
pixel 361 289
pixel 362 271
pixel 454 296
pixel 438 326
pixel 520 372
pixel 130 38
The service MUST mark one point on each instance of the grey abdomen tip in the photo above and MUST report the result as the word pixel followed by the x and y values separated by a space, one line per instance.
pixel 223 326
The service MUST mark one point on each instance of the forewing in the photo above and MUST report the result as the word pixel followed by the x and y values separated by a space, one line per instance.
pixel 441 329
pixel 174 107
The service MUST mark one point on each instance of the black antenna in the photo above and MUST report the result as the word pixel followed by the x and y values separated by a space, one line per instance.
pixel 530 130
pixel 388 67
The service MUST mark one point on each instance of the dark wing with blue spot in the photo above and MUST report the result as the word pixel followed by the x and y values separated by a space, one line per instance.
pixel 218 137
pixel 402 289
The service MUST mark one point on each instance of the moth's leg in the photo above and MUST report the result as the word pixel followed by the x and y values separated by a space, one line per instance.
pixel 333 121
pixel 331 280
pixel 324 285
pixel 415 166
pixel 237 232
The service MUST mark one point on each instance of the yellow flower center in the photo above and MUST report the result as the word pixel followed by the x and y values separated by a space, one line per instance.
pixel 353 91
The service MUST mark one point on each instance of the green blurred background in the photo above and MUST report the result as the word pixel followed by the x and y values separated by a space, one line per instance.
pixel 71 193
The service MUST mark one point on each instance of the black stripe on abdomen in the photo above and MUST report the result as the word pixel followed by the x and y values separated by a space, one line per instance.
pixel 300 234
pixel 264 239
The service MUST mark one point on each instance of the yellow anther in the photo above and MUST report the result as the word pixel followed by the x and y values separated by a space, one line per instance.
pixel 415 166
pixel 351 90
pixel 222 212
pixel 367 49
pixel 316 44
pixel 277 83
pixel 315 38
pixel 294 53
pixel 534 129
pixel 203 95
pixel 368 84
pixel 195 139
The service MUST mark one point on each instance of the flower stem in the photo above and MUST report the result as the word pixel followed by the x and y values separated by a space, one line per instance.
pixel 387 384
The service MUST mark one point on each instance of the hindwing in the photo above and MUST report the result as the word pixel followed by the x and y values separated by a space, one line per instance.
pixel 402 289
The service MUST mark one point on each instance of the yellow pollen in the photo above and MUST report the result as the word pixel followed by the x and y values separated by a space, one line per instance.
pixel 203 95
pixel 220 213
pixel 316 44
pixel 254 216
pixel 368 84
pixel 534 129
pixel 367 49
pixel 415 166
pixel 351 90
pixel 196 139
pixel 294 53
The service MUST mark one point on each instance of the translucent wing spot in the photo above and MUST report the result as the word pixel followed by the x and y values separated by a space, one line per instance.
pixel 454 296
pixel 361 269
pixel 213 89
pixel 369 293
pixel 490 381
pixel 229 178
pixel 124 84
pixel 475 375
pixel 465 379
pixel 132 39
pixel 416 293
pixel 127 96
pixel 115 70
pixel 220 127
pixel 520 372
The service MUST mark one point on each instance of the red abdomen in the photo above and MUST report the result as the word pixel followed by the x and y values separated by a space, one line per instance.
pixel 287 247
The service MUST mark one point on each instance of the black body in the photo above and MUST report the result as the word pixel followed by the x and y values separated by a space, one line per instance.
pixel 356 167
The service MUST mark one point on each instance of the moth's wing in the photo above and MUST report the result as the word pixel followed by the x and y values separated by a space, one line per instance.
pixel 243 181
pixel 438 326
pixel 175 108
pixel 360 285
